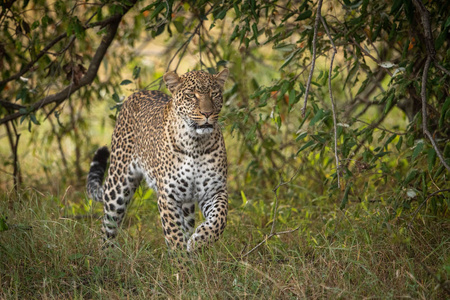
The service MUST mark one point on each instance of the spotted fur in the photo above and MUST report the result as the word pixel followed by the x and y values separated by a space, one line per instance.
pixel 176 145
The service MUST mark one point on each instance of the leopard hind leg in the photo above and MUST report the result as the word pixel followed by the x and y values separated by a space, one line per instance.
pixel 120 187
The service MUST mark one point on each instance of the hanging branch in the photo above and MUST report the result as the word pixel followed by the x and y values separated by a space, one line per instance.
pixel 313 62
pixel 333 106
pixel 184 46
pixel 272 230
pixel 431 55
pixel 60 37
pixel 423 94
pixel 33 62
pixel 14 144
pixel 57 98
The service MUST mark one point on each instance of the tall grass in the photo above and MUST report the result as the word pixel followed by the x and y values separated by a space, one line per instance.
pixel 47 252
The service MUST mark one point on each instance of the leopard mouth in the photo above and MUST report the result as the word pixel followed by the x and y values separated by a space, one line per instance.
pixel 204 126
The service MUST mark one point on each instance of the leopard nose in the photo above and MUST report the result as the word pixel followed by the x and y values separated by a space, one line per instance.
pixel 207 114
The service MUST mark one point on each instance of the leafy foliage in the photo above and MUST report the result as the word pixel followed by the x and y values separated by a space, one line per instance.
pixel 382 53
pixel 376 80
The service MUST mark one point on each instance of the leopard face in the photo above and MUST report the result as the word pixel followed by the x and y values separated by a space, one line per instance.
pixel 197 97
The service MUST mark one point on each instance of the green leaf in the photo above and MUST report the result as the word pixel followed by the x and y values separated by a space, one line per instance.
pixel 221 14
pixel 289 58
pixel 345 197
pixel 381 154
pixel 284 47
pixel 389 102
pixel 447 23
pixel 444 112
pixel 417 150
pixel 136 72
pixel 244 199
pixel 317 117
pixel 390 139
pixel 3 224
pixel 308 144
pixel 125 82
pixel 148 7
pixel 157 10
pixel 35 25
pixel 34 120
pixel 116 98
pixel 301 136
pixel 439 42
pixel 255 33
pixel 304 15
pixel 396 6
pixel 410 176
pixel 431 158
pixel 292 97
pixel 179 26
pixel 318 138
pixel 76 256
pixel 237 11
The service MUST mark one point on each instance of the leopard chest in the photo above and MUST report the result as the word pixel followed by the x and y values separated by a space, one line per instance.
pixel 194 176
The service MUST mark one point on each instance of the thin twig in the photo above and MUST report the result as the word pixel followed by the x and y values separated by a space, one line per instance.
pixel 268 237
pixel 333 106
pixel 440 67
pixel 313 62
pixel 186 43
pixel 361 143
pixel 426 200
pixel 183 48
pixel 381 128
pixel 272 230
pixel 370 55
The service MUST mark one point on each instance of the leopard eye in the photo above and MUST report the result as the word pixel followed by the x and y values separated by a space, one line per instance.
pixel 215 94
pixel 190 95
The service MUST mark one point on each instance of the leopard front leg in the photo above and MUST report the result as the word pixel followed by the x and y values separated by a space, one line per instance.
pixel 172 220
pixel 215 211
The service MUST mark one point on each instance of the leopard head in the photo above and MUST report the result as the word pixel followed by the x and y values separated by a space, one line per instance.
pixel 197 97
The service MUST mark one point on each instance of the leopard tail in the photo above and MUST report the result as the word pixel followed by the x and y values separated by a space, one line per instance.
pixel 96 174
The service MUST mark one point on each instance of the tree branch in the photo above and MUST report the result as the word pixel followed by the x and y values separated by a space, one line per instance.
pixel 426 132
pixel 100 24
pixel 313 62
pixel 90 75
pixel 431 55
pixel 10 105
pixel 332 100
pixel 31 63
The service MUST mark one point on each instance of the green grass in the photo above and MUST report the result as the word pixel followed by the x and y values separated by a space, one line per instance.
pixel 47 252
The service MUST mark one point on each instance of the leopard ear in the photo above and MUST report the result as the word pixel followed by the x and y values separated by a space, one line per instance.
pixel 172 81
pixel 222 77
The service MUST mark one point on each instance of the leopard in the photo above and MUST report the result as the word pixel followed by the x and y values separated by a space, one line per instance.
pixel 175 144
